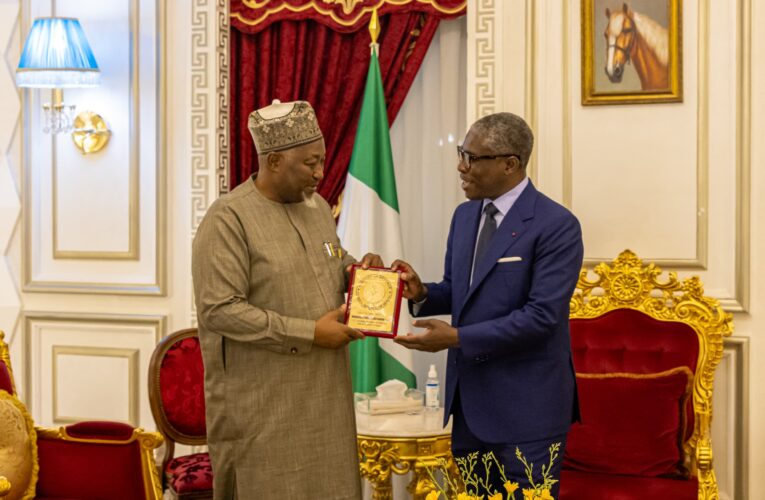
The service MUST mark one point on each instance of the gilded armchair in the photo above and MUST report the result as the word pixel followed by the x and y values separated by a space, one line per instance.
pixel 645 347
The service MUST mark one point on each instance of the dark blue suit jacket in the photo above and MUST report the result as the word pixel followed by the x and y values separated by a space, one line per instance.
pixel 513 366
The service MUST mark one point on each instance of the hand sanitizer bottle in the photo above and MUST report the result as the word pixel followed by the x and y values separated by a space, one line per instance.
pixel 431 390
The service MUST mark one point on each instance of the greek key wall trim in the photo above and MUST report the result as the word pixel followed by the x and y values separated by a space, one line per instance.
pixel 222 93
pixel 495 31
pixel 482 18
pixel 209 109
pixel 200 195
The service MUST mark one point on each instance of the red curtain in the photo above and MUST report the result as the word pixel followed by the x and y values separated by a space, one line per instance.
pixel 306 60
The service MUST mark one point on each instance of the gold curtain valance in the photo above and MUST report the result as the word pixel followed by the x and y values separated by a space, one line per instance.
pixel 252 16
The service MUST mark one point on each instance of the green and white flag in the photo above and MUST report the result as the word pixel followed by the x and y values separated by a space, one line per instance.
pixel 369 222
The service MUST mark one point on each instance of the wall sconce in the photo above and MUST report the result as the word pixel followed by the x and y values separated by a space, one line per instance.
pixel 57 55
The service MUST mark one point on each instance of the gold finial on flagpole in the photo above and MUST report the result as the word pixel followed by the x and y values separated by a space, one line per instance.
pixel 374 26
pixel 374 30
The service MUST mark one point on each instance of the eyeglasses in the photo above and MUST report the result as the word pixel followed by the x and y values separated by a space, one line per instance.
pixel 467 158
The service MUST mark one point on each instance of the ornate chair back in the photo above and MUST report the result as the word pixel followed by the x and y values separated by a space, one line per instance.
pixel 644 344
pixel 176 397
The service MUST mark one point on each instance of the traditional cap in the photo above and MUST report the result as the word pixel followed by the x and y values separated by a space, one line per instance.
pixel 283 125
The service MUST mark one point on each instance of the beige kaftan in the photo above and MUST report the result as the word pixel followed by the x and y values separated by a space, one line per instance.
pixel 280 419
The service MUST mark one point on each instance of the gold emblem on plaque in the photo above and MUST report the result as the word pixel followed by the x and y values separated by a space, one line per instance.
pixel 374 291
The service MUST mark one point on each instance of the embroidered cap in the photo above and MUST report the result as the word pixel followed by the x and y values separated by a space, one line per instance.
pixel 283 125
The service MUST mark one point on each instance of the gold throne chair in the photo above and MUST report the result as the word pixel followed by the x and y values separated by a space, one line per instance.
pixel 645 346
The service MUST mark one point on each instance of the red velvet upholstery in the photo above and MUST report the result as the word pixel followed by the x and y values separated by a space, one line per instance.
pixel 190 473
pixel 575 485
pixel 5 379
pixel 90 470
pixel 97 429
pixel 181 381
pixel 620 414
pixel 628 341
pixel 629 430
pixel 176 394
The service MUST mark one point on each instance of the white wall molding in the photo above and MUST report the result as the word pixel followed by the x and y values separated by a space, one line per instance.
pixel 730 423
pixel 96 223
pixel 103 388
pixel 10 166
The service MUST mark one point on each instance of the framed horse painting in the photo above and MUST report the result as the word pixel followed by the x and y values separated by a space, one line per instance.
pixel 631 51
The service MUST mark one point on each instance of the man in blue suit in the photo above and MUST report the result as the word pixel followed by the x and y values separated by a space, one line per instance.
pixel 512 261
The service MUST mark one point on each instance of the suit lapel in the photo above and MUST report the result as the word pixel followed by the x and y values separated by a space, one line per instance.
pixel 509 231
pixel 464 248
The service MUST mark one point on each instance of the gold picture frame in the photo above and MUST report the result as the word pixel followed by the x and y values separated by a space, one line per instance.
pixel 631 51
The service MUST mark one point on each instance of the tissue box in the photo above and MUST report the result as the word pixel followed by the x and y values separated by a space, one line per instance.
pixel 369 403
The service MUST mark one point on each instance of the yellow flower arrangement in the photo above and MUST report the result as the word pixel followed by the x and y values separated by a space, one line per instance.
pixel 510 487
pixel 471 487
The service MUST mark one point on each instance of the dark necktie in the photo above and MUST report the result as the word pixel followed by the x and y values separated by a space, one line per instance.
pixel 487 231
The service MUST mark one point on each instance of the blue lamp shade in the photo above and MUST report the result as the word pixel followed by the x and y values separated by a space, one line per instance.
pixel 57 55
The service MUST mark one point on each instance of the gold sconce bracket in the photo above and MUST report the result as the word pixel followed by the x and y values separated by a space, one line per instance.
pixel 90 133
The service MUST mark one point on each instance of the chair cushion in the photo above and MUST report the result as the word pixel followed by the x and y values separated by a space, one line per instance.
pixel 629 341
pixel 181 381
pixel 18 449
pixel 190 473
pixel 575 485
pixel 631 424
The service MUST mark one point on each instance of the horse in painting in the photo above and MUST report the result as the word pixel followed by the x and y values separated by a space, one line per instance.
pixel 636 38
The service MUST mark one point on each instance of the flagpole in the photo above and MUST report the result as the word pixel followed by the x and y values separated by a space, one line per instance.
pixel 369 222
pixel 374 32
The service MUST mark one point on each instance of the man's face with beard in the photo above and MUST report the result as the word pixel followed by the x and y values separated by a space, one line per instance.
pixel 300 171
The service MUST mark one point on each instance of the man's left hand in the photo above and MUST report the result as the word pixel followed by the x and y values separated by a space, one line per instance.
pixel 369 260
pixel 438 336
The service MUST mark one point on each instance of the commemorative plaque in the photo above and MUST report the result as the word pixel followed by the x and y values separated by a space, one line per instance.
pixel 374 301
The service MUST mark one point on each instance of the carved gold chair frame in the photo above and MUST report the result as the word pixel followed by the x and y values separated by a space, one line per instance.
pixel 148 441
pixel 628 283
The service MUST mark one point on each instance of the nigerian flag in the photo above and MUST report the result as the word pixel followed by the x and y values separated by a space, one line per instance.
pixel 369 222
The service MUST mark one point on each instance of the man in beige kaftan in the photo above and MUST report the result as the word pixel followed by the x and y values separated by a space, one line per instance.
pixel 280 420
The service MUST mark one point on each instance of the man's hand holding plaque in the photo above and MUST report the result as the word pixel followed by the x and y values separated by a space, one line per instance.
pixel 374 301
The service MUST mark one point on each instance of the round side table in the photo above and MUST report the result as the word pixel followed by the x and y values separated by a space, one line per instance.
pixel 402 443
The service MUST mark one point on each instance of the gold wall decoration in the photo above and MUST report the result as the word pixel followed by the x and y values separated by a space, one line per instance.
pixel 90 133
